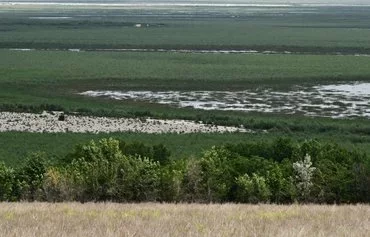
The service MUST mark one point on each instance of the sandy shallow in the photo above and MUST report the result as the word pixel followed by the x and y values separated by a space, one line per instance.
pixel 48 123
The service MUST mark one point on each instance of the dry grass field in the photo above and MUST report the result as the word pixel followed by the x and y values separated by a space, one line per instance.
pixel 109 219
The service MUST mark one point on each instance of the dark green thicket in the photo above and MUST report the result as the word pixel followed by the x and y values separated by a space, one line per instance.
pixel 29 178
pixel 7 181
pixel 282 171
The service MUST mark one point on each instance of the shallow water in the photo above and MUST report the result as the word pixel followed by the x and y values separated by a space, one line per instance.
pixel 356 89
pixel 193 4
pixel 188 51
pixel 147 4
pixel 344 100
pixel 50 17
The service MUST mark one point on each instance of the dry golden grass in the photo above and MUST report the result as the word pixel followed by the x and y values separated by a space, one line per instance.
pixel 109 219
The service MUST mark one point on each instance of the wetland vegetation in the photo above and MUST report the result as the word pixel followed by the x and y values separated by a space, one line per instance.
pixel 285 56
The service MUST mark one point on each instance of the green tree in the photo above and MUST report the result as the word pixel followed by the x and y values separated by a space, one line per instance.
pixel 7 177
pixel 57 185
pixel 161 154
pixel 172 179
pixel 276 183
pixel 138 180
pixel 333 182
pixel 282 148
pixel 30 178
pixel 252 189
pixel 136 149
pixel 216 174
pixel 92 174
pixel 192 185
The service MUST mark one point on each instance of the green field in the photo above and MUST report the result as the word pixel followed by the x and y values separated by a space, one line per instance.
pixel 323 42
pixel 310 29
pixel 16 146
pixel 57 77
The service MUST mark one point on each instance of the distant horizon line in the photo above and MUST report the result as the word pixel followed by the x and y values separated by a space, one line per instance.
pixel 180 4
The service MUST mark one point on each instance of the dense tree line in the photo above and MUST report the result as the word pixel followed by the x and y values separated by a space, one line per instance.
pixel 253 172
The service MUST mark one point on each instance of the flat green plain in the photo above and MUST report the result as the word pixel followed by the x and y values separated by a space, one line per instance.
pixel 296 28
pixel 326 46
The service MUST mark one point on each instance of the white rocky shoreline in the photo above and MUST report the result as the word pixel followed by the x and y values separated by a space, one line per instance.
pixel 48 122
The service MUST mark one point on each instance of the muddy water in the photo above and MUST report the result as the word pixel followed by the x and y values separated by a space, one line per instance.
pixel 343 100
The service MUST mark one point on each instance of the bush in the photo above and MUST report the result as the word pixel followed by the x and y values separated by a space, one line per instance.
pixel 252 189
pixel 156 153
pixel 172 180
pixel 109 170
pixel 100 172
pixel 138 180
pixel 93 172
pixel 7 177
pixel 56 185
pixel 30 178
pixel 216 174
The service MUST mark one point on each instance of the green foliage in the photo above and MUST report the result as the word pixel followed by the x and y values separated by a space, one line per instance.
pixel 93 171
pixel 172 181
pixel 333 182
pixel 107 149
pixel 58 186
pixel 192 184
pixel 139 180
pixel 30 178
pixel 252 189
pixel 7 177
pixel 282 148
pixel 161 154
pixel 276 183
pixel 310 147
pixel 216 177
pixel 99 171
pixel 135 149
pixel 157 152
pixel 277 150
pixel 361 182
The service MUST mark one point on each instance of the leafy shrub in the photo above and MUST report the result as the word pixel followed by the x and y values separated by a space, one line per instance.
pixel 7 177
pixel 30 178
pixel 138 180
pixel 56 185
pixel 110 170
pixel 158 152
pixel 252 189
pixel 172 180
pixel 216 176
